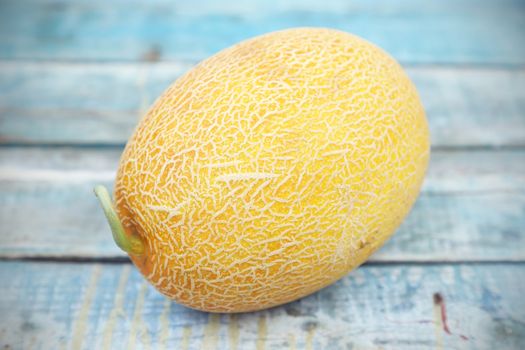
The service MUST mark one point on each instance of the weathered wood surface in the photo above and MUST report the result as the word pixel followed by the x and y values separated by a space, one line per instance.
pixel 472 206
pixel 101 103
pixel 91 306
pixel 82 72
pixel 439 31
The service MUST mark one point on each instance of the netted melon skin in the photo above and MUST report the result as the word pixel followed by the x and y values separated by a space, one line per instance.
pixel 272 169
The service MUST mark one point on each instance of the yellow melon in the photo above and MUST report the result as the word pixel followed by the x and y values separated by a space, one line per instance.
pixel 270 170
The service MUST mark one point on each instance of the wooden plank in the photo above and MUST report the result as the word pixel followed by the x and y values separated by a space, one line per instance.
pixel 469 107
pixel 466 31
pixel 471 207
pixel 86 306
pixel 72 103
pixel 101 103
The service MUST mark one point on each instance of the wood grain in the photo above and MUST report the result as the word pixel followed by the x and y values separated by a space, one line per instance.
pixel 452 31
pixel 101 103
pixel 471 207
pixel 389 306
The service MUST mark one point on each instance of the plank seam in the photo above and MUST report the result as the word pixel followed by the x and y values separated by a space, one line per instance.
pixel 192 62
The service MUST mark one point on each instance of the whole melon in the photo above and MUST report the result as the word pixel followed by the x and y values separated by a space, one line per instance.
pixel 272 169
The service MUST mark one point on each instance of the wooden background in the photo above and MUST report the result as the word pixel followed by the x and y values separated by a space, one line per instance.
pixel 75 77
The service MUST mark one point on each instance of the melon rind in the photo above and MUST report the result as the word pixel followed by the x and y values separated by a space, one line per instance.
pixel 272 169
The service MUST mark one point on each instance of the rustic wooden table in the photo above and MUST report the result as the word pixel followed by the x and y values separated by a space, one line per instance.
pixel 76 75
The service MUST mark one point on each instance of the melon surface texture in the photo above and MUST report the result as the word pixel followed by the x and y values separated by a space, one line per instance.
pixel 272 169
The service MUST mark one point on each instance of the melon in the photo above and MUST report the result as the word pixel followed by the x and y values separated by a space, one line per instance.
pixel 270 170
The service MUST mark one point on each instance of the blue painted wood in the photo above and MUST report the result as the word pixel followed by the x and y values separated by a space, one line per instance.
pixel 101 103
pixel 465 31
pixel 86 306
pixel 471 207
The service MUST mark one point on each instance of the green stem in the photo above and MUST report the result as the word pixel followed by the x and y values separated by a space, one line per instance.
pixel 131 244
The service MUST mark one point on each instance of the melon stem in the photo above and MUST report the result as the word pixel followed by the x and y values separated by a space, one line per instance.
pixel 131 244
